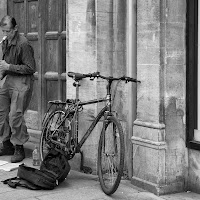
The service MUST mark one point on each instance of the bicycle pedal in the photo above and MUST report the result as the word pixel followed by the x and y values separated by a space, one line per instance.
pixel 86 170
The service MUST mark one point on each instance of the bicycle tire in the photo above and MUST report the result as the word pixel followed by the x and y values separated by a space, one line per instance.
pixel 48 129
pixel 110 158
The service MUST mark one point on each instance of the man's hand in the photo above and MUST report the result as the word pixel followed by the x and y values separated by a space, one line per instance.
pixel 4 65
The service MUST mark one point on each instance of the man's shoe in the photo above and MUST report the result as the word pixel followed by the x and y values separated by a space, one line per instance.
pixel 19 154
pixel 7 148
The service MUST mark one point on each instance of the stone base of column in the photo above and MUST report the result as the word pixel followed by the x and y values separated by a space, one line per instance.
pixel 152 169
pixel 156 188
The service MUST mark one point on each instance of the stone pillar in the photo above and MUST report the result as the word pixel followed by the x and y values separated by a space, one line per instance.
pixel 82 58
pixel 96 41
pixel 159 163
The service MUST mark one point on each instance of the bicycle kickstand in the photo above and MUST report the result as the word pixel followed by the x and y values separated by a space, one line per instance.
pixel 85 169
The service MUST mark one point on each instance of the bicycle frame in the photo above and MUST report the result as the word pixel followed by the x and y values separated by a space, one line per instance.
pixel 74 105
pixel 106 109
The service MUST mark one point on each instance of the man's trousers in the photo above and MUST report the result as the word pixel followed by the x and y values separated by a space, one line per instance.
pixel 15 96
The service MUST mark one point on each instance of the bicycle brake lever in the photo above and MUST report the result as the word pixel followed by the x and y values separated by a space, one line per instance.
pixel 95 74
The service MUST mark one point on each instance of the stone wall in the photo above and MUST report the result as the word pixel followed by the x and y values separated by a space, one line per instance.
pixel 96 41
pixel 175 93
pixel 82 58
pixel 193 175
pixel 160 155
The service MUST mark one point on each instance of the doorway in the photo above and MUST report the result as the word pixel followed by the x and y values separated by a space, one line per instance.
pixel 44 24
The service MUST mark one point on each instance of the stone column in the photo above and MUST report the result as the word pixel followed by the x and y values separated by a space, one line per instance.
pixel 158 162
pixel 96 41
pixel 82 58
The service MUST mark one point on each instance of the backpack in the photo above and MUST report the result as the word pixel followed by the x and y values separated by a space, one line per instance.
pixel 53 171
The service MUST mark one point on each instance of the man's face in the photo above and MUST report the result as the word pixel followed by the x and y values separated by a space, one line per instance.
pixel 8 31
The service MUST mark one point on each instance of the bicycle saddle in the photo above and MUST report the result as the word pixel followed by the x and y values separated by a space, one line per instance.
pixel 76 76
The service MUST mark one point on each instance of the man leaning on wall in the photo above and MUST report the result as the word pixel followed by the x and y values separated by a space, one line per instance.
pixel 16 73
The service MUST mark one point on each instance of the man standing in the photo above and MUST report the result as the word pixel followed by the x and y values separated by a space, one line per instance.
pixel 17 67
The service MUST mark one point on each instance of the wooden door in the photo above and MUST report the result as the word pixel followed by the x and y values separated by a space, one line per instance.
pixel 43 23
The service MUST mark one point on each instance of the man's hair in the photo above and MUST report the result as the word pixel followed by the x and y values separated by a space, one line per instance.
pixel 8 20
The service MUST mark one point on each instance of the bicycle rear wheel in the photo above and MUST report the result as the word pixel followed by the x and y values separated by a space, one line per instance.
pixel 111 155
pixel 52 129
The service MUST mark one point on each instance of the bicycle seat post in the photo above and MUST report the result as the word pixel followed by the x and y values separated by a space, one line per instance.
pixel 76 84
pixel 108 96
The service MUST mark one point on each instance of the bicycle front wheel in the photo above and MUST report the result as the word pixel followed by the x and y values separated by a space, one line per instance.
pixel 111 155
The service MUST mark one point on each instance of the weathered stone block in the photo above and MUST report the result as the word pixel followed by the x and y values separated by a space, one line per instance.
pixel 149 131
pixel 194 167
pixel 82 61
pixel 148 106
pixel 176 165
pixel 150 165
pixel 175 81
pixel 104 6
pixel 105 62
pixel 104 32
pixel 148 56
pixel 176 10
pixel 77 23
pixel 148 36
pixel 119 58
pixel 77 6
pixel 175 35
pixel 175 56
pixel 148 11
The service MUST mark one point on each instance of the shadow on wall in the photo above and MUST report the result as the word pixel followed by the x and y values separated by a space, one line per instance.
pixel 90 25
pixel 176 153
pixel 174 119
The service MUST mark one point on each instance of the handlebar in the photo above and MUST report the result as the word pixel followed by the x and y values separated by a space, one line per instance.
pixel 92 76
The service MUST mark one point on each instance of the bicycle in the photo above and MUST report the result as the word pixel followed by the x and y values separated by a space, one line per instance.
pixel 60 131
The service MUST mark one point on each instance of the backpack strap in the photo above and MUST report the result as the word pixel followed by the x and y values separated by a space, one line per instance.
pixel 36 177
pixel 16 181
pixel 10 182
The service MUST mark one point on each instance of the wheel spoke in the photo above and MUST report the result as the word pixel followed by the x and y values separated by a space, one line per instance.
pixel 111 156
pixel 50 131
pixel 109 173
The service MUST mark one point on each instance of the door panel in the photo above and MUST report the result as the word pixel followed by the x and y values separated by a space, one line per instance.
pixel 52 52
pixel 53 15
pixel 32 16
pixel 43 23
pixel 19 13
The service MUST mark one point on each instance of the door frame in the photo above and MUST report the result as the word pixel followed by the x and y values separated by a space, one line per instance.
pixel 191 73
